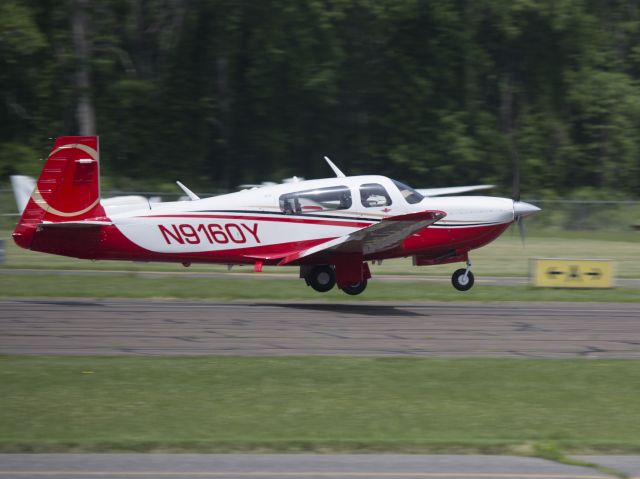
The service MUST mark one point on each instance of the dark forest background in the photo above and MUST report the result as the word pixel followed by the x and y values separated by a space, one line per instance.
pixel 434 93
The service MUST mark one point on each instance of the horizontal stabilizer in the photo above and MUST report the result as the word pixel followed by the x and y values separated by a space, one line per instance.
pixel 23 187
pixel 74 224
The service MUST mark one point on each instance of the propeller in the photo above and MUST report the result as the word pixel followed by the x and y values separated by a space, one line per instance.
pixel 520 224
pixel 520 208
pixel 515 187
pixel 515 184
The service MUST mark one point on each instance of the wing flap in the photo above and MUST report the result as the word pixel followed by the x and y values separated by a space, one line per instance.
pixel 385 235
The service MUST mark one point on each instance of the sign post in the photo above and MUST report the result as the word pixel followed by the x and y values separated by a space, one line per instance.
pixel 571 273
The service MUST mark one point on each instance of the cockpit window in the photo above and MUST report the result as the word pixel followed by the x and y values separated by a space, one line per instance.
pixel 312 201
pixel 409 194
pixel 373 194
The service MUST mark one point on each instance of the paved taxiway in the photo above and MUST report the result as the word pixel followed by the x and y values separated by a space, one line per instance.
pixel 146 327
pixel 293 466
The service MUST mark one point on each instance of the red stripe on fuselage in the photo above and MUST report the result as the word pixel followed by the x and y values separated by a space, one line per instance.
pixel 283 219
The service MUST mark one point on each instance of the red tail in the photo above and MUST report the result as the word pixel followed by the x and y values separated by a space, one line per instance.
pixel 68 188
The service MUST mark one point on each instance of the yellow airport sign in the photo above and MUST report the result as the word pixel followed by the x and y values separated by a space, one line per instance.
pixel 572 273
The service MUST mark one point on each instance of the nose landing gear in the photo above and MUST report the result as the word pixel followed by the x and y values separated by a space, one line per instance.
pixel 462 279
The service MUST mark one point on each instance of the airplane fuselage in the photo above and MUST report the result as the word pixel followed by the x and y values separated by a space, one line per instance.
pixel 239 227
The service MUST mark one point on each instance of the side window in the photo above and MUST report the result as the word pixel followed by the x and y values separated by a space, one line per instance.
pixel 312 201
pixel 373 194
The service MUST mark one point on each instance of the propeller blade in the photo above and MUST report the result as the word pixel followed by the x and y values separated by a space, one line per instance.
pixel 515 187
pixel 521 231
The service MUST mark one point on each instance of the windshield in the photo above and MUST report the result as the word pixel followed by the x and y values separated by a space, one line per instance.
pixel 409 194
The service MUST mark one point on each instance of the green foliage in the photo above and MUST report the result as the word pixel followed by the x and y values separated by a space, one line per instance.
pixel 19 35
pixel 433 93
pixel 543 407
pixel 14 156
pixel 232 287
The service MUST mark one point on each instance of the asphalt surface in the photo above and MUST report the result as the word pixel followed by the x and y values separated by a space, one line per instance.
pixel 78 327
pixel 293 466
pixel 147 327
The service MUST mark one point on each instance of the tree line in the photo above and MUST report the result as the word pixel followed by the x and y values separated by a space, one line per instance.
pixel 434 93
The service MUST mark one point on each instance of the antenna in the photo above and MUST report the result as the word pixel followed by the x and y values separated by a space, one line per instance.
pixel 192 196
pixel 335 169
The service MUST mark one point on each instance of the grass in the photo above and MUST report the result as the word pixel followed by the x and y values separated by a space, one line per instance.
pixel 318 404
pixel 504 257
pixel 136 285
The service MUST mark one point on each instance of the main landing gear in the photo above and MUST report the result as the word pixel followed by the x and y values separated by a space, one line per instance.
pixel 462 279
pixel 355 288
pixel 322 278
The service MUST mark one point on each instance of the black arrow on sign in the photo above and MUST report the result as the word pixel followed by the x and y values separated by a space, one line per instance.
pixel 595 273
pixel 553 272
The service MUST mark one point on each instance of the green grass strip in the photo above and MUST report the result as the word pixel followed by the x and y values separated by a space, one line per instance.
pixel 219 404
pixel 261 287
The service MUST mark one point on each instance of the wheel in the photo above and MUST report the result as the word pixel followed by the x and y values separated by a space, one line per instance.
pixel 460 282
pixel 321 278
pixel 355 288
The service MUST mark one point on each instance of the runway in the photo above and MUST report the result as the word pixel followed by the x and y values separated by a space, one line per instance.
pixel 295 466
pixel 148 327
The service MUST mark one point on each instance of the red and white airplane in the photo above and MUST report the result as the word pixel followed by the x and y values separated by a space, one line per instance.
pixel 329 228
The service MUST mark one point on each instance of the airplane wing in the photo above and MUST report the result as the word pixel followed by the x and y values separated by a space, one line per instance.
pixel 382 236
pixel 452 190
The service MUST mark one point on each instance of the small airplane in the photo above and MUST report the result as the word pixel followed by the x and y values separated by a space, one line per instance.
pixel 329 228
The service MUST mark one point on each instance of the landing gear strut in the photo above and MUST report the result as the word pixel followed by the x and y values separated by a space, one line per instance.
pixel 321 278
pixel 462 279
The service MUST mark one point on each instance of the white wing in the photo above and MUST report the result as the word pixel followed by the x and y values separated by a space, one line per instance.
pixel 453 190
pixel 385 235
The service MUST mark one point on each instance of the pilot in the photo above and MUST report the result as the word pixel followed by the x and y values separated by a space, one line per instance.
pixel 345 201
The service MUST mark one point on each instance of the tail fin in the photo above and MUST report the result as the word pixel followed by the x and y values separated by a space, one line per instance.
pixel 68 187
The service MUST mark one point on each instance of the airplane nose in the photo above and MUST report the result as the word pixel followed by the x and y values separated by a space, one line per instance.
pixel 522 209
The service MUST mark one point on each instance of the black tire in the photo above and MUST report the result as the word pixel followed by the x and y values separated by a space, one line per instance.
pixel 355 288
pixel 458 282
pixel 321 278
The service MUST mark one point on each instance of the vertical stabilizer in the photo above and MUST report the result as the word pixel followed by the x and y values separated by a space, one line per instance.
pixel 68 188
